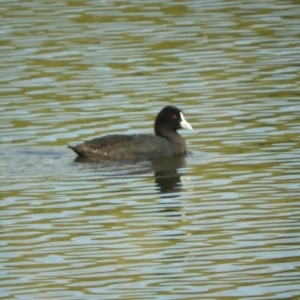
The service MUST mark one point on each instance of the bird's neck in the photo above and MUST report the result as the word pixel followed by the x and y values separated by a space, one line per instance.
pixel 167 133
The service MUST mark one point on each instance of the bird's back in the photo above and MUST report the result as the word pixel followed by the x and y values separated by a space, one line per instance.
pixel 131 147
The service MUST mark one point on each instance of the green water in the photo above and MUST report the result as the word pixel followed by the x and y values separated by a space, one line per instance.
pixel 222 223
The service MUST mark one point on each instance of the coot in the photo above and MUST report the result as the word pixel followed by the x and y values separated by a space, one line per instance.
pixel 166 142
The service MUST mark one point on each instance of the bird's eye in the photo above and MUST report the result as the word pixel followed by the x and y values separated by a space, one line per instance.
pixel 175 117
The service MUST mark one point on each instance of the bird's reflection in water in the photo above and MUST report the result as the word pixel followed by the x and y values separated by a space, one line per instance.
pixel 167 178
pixel 168 182
pixel 166 175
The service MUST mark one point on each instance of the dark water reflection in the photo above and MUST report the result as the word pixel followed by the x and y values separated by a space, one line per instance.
pixel 223 222
pixel 165 170
pixel 167 174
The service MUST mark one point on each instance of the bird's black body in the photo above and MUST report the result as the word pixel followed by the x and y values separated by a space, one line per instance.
pixel 165 143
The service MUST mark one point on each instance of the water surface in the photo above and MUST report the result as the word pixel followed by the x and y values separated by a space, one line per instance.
pixel 220 223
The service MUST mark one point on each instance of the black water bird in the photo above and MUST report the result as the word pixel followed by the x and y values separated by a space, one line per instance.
pixel 166 142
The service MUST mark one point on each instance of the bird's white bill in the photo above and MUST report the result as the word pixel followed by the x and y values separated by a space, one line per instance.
pixel 184 123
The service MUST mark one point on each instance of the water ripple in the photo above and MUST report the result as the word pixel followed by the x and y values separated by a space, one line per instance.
pixel 217 223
